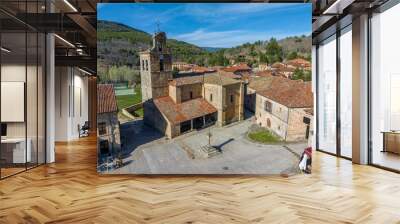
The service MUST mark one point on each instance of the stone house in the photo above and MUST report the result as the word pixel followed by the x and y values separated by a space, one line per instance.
pixel 283 106
pixel 108 131
pixel 255 84
pixel 175 105
pixel 300 63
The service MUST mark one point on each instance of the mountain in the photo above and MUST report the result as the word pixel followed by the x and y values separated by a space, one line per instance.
pixel 119 44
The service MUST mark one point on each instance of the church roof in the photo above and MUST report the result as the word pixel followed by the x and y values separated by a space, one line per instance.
pixel 179 112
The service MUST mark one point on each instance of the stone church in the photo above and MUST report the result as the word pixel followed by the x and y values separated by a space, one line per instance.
pixel 176 105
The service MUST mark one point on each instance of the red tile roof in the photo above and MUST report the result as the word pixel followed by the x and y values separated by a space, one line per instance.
pixel 200 69
pixel 299 62
pixel 179 112
pixel 187 80
pixel 237 68
pixel 278 65
pixel 229 74
pixel 106 101
pixel 291 93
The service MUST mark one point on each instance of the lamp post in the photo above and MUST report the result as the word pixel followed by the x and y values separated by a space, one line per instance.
pixel 209 137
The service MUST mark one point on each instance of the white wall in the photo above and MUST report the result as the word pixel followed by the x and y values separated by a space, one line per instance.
pixel 71 87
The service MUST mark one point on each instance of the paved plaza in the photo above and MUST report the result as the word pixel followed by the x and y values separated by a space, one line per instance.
pixel 147 152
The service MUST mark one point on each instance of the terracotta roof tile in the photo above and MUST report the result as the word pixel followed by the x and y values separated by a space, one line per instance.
pixel 106 101
pixel 217 79
pixel 200 69
pixel 187 80
pixel 291 93
pixel 237 68
pixel 179 112
pixel 299 62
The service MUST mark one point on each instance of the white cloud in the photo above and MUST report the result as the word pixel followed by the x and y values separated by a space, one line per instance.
pixel 228 38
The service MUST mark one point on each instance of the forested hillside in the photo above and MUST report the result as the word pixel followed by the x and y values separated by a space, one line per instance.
pixel 119 46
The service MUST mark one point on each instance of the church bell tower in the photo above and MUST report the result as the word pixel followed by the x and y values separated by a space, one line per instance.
pixel 155 68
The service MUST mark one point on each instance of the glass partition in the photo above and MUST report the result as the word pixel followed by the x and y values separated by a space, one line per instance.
pixel 346 92
pixel 22 77
pixel 327 95
pixel 385 89
pixel 13 94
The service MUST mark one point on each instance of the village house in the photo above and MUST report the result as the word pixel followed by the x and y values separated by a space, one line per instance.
pixel 263 67
pixel 175 105
pixel 254 85
pixel 238 69
pixel 181 66
pixel 108 131
pixel 282 105
pixel 300 63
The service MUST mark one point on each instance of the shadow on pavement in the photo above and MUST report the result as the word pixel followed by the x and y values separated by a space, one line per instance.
pixel 136 133
pixel 219 147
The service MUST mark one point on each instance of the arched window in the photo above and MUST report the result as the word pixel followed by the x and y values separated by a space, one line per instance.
pixel 268 122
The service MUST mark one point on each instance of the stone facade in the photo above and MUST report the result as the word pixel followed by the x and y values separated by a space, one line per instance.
pixel 288 123
pixel 228 100
pixel 108 133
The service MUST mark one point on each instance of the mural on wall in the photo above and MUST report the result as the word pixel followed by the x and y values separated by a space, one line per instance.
pixel 204 88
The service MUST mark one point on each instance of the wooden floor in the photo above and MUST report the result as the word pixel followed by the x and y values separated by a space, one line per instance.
pixel 70 191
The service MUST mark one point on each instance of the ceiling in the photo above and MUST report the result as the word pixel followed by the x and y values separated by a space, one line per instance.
pixel 74 22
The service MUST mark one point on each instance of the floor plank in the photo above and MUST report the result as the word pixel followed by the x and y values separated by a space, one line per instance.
pixel 71 191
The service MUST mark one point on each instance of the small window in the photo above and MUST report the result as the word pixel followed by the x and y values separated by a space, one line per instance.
pixel 143 65
pixel 104 149
pixel 268 106
pixel 147 65
pixel 191 95
pixel 161 65
pixel 211 97
pixel 232 98
pixel 102 128
pixel 268 122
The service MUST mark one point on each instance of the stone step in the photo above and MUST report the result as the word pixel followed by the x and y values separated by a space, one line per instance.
pixel 210 151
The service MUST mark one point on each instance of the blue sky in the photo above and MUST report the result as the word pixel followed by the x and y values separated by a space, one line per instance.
pixel 212 24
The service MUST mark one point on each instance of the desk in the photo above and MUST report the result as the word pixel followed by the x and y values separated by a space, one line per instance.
pixel 391 141
pixel 13 150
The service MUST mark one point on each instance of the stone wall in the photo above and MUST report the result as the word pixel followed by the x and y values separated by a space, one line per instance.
pixel 275 121
pixel 145 77
pixel 286 122
pixel 216 101
pixel 297 128
pixel 153 117
pixel 113 132
pixel 195 89
pixel 233 110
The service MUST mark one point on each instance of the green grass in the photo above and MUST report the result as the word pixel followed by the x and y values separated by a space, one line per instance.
pixel 264 137
pixel 124 101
